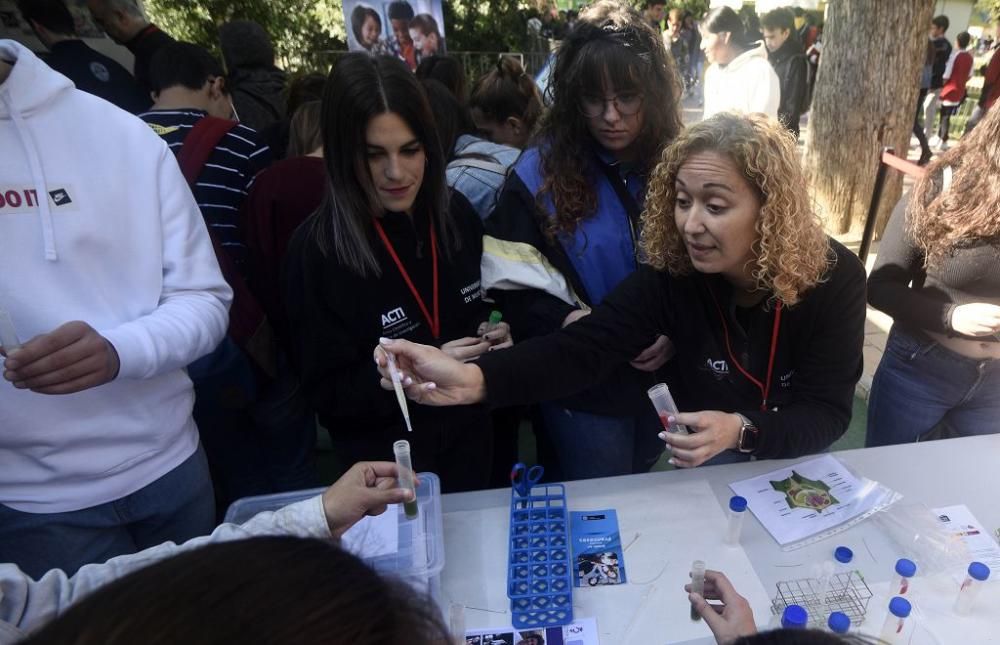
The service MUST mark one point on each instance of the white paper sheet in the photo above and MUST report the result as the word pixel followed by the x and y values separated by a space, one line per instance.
pixel 960 521
pixel 661 534
pixel 374 536
pixel 822 495
pixel 580 632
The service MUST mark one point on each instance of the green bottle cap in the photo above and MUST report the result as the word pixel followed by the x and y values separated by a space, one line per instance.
pixel 495 317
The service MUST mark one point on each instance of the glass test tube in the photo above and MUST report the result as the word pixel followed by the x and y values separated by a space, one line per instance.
pixel 659 394
pixel 697 584
pixel 842 556
pixel 905 570
pixel 402 451
pixel 969 591
pixel 737 511
pixel 892 629
pixel 8 334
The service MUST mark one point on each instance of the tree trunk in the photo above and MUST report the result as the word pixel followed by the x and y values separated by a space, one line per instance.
pixel 865 98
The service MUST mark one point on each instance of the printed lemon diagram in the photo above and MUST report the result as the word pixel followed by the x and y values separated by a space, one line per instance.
pixel 805 493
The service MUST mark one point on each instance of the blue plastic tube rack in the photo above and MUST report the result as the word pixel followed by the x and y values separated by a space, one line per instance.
pixel 539 569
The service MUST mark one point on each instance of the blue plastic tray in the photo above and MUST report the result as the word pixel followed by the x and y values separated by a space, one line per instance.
pixel 539 571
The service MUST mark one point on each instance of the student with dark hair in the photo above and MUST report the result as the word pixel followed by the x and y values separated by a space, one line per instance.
pixel 942 52
pixel 570 213
pixel 52 605
pixel 956 74
pixel 739 77
pixel 506 104
pixel 192 113
pixel 257 86
pixel 401 45
pixel 789 61
pixel 448 71
pixel 124 22
pixel 89 70
pixel 388 254
pixel 366 26
pixel 653 11
pixel 426 36
pixel 302 89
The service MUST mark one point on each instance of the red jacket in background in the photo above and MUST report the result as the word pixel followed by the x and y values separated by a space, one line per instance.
pixel 953 90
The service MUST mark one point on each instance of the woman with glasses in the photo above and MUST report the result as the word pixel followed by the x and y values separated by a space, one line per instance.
pixel 565 230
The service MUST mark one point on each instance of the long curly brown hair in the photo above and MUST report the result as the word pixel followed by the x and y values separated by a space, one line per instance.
pixel 792 254
pixel 611 41
pixel 968 211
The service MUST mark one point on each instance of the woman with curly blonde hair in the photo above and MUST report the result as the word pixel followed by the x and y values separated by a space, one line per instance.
pixel 941 366
pixel 573 203
pixel 766 312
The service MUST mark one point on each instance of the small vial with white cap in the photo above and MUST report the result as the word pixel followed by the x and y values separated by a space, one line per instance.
pixel 905 570
pixel 839 622
pixel 404 467
pixel 892 629
pixel 971 586
pixel 737 511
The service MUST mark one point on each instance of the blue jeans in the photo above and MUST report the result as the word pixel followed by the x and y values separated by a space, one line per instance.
pixel 920 384
pixel 175 507
pixel 593 445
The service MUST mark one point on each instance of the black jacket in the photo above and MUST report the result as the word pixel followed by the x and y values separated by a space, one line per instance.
pixel 942 52
pixel 817 360
pixel 94 73
pixel 258 95
pixel 337 318
pixel 532 312
pixel 790 64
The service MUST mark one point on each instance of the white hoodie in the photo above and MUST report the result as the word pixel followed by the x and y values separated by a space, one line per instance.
pixel 747 84
pixel 116 241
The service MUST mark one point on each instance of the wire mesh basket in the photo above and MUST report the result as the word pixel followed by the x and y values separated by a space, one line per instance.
pixel 845 592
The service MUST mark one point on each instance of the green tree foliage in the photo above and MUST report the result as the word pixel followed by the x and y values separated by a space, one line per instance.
pixel 300 28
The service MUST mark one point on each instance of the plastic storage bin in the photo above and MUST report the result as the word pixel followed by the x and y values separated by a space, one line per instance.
pixel 539 572
pixel 420 557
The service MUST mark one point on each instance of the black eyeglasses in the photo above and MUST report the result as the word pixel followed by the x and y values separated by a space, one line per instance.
pixel 627 104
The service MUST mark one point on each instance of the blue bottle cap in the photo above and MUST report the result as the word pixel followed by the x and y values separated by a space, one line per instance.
pixel 900 607
pixel 794 617
pixel 906 568
pixel 839 622
pixel 979 571
pixel 737 503
pixel 843 554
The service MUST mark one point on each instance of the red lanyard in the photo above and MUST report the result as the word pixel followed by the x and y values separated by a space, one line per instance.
pixel 435 321
pixel 765 388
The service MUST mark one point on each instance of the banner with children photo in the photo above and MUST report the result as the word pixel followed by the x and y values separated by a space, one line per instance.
pixel 410 30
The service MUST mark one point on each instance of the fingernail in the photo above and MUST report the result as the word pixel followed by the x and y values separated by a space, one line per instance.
pixel 430 386
pixel 377 363
pixel 671 462
pixel 385 341
pixel 408 381
pixel 19 385
pixel 662 435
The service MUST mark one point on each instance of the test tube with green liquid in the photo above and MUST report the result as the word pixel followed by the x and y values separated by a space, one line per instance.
pixel 405 478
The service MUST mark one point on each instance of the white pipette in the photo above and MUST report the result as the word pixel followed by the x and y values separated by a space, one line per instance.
pixel 397 385
pixel 8 335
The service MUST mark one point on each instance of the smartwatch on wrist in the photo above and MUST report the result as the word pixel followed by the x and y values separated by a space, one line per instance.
pixel 749 437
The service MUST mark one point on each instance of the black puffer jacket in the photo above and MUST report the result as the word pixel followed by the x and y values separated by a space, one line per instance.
pixel 790 64
pixel 258 95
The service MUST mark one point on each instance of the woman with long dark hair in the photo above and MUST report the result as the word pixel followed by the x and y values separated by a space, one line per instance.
pixel 938 276
pixel 566 227
pixel 387 255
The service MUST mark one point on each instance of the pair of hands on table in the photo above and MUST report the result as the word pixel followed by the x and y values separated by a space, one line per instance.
pixel 69 359
pixel 472 347
pixel 731 617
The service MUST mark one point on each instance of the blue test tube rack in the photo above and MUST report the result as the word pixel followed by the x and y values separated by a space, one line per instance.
pixel 539 570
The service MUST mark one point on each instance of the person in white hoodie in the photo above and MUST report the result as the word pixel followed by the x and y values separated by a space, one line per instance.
pixel 108 288
pixel 739 77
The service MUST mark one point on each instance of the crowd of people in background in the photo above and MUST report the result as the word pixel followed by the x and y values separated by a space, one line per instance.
pixel 200 293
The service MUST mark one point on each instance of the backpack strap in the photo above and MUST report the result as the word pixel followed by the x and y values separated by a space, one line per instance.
pixel 463 161
pixel 199 144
